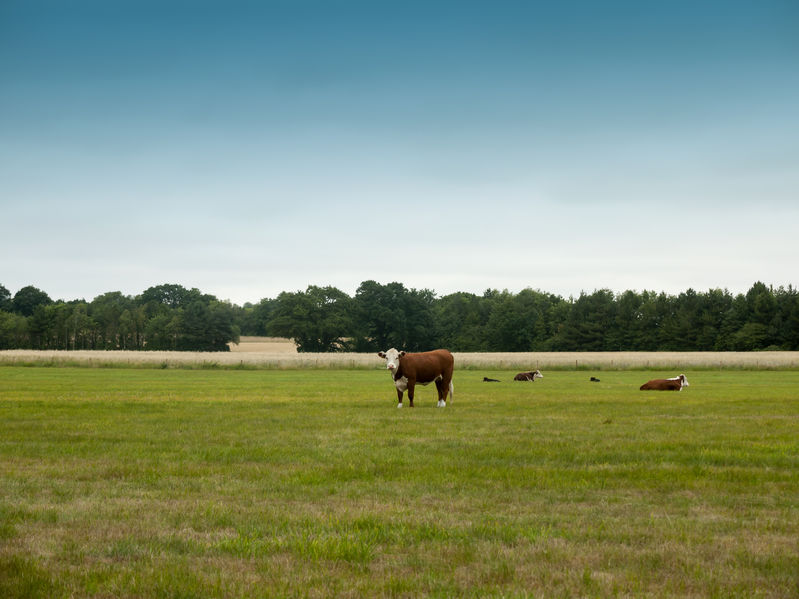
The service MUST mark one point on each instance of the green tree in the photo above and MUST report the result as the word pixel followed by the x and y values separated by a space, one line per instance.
pixel 161 331
pixel 57 335
pixel 393 316
pixel 649 319
pixel 751 336
pixel 627 326
pixel 787 318
pixel 81 325
pixel 40 323
pixel 256 323
pixel 753 317
pixel 5 300
pixel 713 306
pixel 461 320
pixel 28 299
pixel 13 331
pixel 588 324
pixel 194 324
pixel 379 314
pixel 138 323
pixel 735 318
pixel 224 329
pixel 206 327
pixel 106 310
pixel 317 320
pixel 525 321
pixel 172 296
pixel 764 312
pixel 418 331
pixel 681 325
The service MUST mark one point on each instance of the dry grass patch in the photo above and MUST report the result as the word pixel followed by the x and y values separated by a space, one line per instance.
pixel 287 358
pixel 630 360
pixel 264 345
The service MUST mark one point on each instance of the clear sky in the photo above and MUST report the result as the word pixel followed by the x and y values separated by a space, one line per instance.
pixel 249 148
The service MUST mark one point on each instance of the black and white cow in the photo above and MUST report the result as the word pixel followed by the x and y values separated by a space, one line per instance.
pixel 529 376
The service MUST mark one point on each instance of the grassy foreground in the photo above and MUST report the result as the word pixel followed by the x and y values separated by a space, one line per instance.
pixel 290 483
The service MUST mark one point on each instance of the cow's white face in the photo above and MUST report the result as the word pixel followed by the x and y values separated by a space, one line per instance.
pixel 537 374
pixel 392 357
pixel 682 379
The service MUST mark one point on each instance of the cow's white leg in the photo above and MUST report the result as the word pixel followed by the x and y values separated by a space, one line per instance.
pixel 401 384
pixel 442 403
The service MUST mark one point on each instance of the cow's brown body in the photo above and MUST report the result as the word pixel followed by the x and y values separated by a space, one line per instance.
pixel 661 385
pixel 675 384
pixel 425 367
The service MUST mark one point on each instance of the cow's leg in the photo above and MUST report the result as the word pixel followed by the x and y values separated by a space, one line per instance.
pixel 411 386
pixel 442 393
pixel 399 398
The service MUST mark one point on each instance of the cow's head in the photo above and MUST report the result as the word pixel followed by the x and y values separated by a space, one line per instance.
pixel 681 378
pixel 537 374
pixel 392 357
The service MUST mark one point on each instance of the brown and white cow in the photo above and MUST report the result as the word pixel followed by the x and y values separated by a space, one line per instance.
pixel 675 383
pixel 423 368
pixel 529 376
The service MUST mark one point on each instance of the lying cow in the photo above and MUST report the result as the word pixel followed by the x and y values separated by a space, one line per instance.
pixel 423 368
pixel 673 384
pixel 529 376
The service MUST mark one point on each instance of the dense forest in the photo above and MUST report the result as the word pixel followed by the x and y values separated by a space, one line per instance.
pixel 379 316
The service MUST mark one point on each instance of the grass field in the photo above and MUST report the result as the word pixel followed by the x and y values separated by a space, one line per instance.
pixel 311 483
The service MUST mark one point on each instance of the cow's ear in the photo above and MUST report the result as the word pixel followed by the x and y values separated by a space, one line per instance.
pixel 402 353
pixel 381 354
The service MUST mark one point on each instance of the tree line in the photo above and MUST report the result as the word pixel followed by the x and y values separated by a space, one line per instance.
pixel 380 316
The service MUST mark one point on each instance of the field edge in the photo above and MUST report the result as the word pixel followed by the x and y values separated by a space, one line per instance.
pixel 766 360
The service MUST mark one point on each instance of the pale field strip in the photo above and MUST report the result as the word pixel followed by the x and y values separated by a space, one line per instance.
pixel 463 360
pixel 278 345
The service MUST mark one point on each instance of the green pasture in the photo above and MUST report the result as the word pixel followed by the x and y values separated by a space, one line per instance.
pixel 291 483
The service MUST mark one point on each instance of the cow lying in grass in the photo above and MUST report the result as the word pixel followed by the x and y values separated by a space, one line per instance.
pixel 673 384
pixel 423 368
pixel 529 376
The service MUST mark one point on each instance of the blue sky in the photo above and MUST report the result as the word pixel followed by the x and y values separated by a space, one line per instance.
pixel 249 148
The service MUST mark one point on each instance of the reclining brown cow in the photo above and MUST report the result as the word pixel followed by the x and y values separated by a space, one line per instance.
pixel 673 384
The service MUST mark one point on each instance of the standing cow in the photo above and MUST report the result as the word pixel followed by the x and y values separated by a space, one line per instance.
pixel 423 368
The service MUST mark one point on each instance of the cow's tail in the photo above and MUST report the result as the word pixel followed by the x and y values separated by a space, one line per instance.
pixel 451 390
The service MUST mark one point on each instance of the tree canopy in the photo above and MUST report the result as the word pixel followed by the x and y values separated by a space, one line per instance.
pixel 380 316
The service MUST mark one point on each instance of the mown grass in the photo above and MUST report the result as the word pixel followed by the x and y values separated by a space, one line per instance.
pixel 291 483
